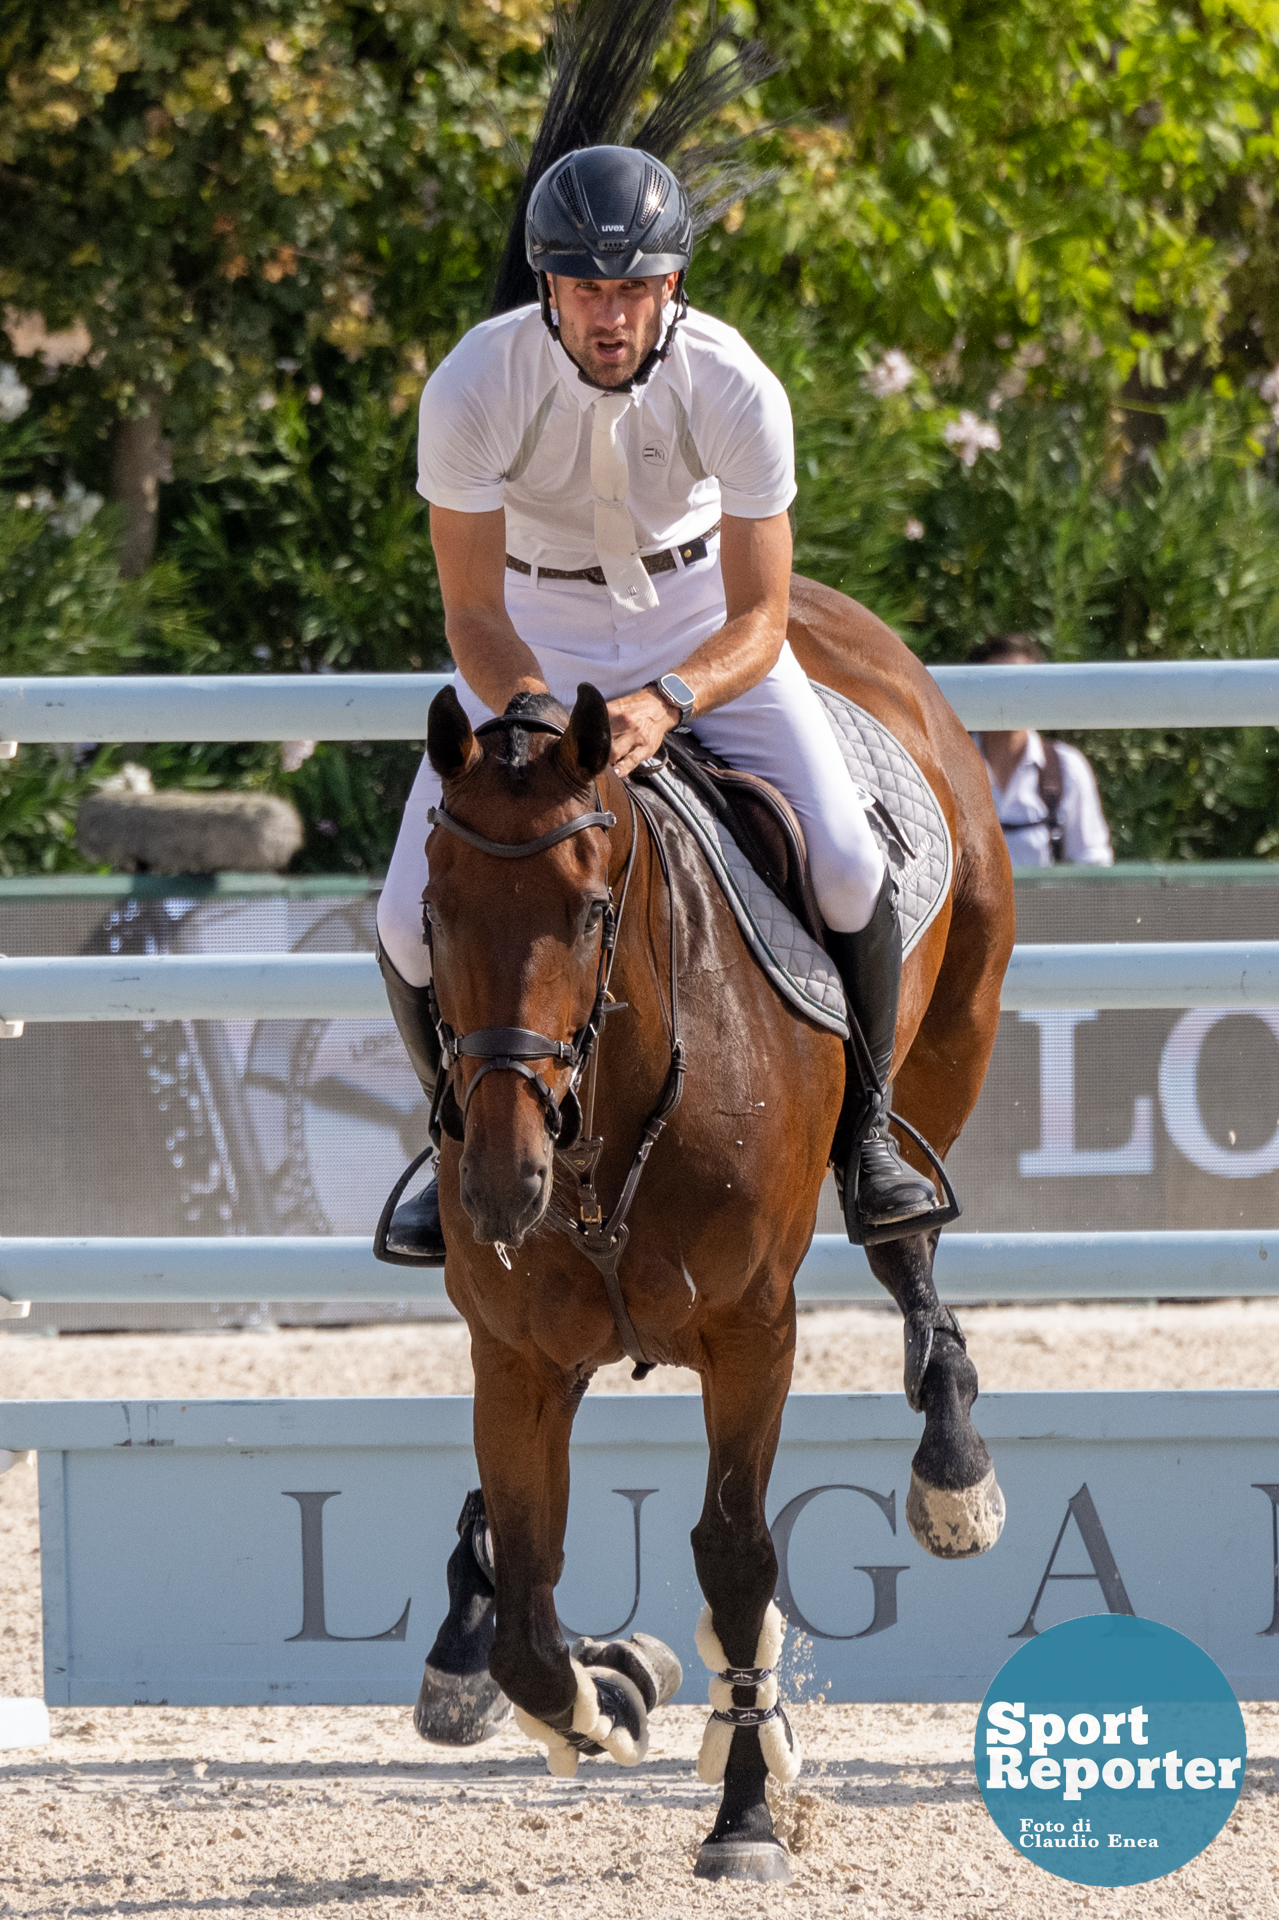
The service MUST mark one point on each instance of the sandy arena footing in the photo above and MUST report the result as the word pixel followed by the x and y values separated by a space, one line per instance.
pixel 153 1811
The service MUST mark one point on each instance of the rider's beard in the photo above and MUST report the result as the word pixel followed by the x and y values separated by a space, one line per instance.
pixel 577 341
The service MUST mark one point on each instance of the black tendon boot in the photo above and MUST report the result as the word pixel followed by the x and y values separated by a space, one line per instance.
pixel 414 1233
pixel 878 1189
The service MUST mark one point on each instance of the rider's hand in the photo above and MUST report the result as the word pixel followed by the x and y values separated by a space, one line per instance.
pixel 641 721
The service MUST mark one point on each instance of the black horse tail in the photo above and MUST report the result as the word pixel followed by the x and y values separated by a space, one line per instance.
pixel 602 54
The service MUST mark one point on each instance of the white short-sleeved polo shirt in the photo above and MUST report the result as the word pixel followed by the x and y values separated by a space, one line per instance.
pixel 505 421
pixel 1024 816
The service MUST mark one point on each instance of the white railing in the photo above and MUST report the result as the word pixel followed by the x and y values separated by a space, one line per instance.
pixel 393 706
pixel 330 986
pixel 970 1266
pixel 336 986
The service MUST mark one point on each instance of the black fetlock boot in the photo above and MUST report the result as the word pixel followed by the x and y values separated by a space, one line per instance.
pixel 414 1235
pixel 882 1196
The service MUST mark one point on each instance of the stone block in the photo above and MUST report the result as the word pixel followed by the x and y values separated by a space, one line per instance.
pixel 179 832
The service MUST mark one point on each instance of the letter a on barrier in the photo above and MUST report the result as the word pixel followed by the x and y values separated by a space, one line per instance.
pixel 1105 1570
pixel 311 1507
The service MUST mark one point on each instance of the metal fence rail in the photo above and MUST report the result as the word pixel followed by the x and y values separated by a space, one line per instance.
pixel 393 706
pixel 970 1266
pixel 333 986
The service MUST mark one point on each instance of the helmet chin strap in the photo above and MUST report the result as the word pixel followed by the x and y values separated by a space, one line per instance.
pixel 652 359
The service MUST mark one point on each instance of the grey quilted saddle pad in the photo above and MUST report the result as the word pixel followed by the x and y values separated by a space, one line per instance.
pixel 919 852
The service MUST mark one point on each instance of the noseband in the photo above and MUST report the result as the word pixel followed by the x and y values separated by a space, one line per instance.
pixel 507 1049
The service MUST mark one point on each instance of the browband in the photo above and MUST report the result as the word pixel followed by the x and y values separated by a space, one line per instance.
pixel 519 849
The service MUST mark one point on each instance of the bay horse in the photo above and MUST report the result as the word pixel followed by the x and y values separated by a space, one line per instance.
pixel 557 897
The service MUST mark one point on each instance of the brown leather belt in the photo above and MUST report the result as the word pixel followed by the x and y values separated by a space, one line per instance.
pixel 664 562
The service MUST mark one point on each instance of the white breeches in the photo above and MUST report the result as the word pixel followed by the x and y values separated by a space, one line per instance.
pixel 778 730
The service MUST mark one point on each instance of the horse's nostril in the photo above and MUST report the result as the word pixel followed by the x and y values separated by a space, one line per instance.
pixel 505 1201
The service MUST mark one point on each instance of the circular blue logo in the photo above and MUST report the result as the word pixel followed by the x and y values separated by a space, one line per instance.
pixel 1110 1750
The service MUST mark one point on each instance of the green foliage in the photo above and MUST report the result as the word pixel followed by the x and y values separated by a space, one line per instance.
pixel 1065 534
pixel 311 554
pixel 64 609
pixel 1061 214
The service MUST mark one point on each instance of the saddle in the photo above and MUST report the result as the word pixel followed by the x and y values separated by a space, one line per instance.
pixel 762 822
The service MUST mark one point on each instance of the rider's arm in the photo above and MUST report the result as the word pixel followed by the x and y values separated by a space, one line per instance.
pixel 470 557
pixel 755 557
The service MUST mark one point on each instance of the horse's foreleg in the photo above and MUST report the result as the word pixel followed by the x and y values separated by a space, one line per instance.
pixel 739 1637
pixel 955 1508
pixel 523 1418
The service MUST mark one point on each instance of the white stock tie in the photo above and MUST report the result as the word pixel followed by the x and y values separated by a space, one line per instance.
pixel 615 541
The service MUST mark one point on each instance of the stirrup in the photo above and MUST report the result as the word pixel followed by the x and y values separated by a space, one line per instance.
pixel 931 1219
pixel 380 1249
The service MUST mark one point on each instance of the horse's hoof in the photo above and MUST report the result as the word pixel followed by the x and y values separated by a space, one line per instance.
pixel 955 1524
pixel 648 1663
pixel 743 1860
pixel 460 1709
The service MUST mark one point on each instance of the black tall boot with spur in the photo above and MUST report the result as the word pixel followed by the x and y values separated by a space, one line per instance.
pixel 882 1196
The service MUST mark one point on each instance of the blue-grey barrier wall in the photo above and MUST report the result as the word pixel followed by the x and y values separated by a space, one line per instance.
pixel 175 1569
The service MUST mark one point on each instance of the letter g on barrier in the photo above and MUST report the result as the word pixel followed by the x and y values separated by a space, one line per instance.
pixel 883 1580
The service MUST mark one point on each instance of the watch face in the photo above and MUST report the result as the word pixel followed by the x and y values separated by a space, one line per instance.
pixel 678 690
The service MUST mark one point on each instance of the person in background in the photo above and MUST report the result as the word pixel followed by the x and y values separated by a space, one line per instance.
pixel 1045 793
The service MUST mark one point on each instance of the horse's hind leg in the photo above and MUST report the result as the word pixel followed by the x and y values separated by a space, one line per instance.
pixel 460 1703
pixel 955 1508
pixel 744 1386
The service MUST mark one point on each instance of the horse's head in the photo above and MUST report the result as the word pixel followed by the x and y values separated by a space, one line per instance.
pixel 518 933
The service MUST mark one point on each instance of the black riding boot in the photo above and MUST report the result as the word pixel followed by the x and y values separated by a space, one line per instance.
pixel 415 1232
pixel 878 1189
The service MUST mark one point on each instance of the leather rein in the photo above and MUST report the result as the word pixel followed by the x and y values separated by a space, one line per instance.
pixel 509 1049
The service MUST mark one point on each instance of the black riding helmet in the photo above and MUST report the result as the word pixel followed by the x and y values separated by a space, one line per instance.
pixel 610 213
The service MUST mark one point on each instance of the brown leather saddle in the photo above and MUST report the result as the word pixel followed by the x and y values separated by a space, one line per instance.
pixel 761 821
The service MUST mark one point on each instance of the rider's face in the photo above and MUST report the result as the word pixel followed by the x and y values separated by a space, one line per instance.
pixel 610 326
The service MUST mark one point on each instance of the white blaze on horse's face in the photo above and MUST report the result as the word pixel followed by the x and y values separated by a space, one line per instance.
pixel 515 945
pixel 610 326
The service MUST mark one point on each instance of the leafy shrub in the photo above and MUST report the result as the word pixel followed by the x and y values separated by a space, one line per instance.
pixel 64 610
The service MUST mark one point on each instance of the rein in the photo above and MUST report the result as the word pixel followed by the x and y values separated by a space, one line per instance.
pixel 507 1049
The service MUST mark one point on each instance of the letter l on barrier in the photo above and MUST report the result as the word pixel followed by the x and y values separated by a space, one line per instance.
pixel 311 1506
pixel 1057 1155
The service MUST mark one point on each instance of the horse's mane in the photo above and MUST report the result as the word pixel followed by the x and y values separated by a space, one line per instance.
pixel 602 55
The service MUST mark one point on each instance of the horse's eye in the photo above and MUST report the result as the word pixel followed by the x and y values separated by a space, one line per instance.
pixel 594 916
pixel 432 913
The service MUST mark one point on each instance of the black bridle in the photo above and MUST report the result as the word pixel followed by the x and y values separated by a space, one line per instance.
pixel 509 1049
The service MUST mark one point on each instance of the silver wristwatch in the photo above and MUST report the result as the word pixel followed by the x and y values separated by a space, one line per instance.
pixel 679 693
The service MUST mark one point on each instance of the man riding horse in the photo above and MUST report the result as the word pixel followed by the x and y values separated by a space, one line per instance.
pixel 609 480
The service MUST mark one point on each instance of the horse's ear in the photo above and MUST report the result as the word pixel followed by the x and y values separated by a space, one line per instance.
pixel 587 745
pixel 450 745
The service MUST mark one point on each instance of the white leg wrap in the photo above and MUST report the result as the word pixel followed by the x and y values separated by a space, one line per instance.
pixel 591 1723
pixel 776 1741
